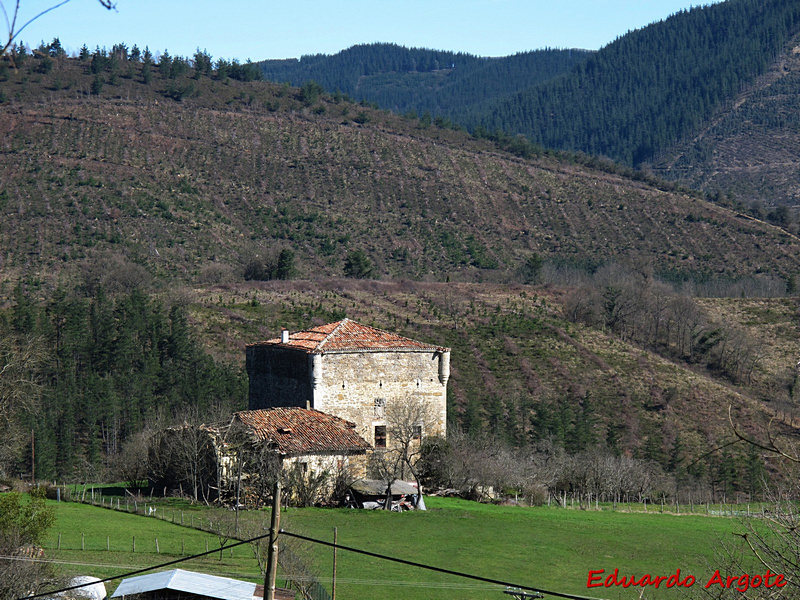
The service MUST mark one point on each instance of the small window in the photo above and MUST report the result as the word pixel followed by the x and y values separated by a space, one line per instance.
pixel 416 432
pixel 380 436
pixel 380 408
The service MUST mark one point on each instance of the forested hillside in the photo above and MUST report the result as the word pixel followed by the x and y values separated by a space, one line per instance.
pixel 413 79
pixel 706 97
pixel 653 86
pixel 105 367
pixel 637 96
pixel 650 375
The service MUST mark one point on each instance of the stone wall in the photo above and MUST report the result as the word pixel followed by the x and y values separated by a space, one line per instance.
pixel 333 464
pixel 362 386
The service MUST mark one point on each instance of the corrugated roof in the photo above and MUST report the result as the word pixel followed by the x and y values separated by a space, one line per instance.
pixel 349 336
pixel 188 582
pixel 376 487
pixel 296 431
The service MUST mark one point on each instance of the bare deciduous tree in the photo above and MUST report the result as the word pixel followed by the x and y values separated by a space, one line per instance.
pixel 21 360
pixel 408 421
pixel 13 29
pixel 305 488
pixel 131 465
pixel 184 455
pixel 385 464
pixel 769 541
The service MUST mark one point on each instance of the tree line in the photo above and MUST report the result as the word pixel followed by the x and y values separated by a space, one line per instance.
pixel 645 311
pixel 485 467
pixel 123 61
pixel 419 80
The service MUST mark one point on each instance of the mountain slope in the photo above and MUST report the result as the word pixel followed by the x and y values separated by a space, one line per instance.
pixel 637 96
pixel 654 85
pixel 750 149
pixel 521 370
pixel 237 169
pixel 185 177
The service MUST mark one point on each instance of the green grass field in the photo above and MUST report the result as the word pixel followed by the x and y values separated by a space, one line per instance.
pixel 548 548
pixel 100 542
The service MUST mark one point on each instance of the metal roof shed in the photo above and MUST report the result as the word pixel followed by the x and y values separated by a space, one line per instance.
pixel 185 584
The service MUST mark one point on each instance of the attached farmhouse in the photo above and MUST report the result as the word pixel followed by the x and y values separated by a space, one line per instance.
pixel 243 456
pixel 302 437
pixel 353 371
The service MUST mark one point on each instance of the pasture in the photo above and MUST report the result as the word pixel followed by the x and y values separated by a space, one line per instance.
pixel 544 547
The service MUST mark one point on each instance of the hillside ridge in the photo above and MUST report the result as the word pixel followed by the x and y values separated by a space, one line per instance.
pixel 196 188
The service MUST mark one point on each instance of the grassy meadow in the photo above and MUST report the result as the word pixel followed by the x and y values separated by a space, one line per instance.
pixel 548 548
pixel 100 542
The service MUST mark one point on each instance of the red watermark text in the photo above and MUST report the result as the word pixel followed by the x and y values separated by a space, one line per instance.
pixel 741 583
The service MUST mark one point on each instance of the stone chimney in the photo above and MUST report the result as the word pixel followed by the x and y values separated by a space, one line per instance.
pixel 284 336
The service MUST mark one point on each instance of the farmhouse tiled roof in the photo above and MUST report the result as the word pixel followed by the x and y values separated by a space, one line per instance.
pixel 349 336
pixel 296 431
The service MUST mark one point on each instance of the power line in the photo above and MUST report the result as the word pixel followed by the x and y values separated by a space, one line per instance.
pixel 53 561
pixel 146 569
pixel 436 569
pixel 330 544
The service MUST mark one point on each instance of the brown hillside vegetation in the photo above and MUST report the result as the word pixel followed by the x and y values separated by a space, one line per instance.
pixel 190 188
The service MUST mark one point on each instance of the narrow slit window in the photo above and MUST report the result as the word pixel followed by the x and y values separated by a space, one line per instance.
pixel 380 436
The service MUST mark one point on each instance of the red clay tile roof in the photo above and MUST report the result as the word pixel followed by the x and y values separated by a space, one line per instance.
pixel 349 336
pixel 303 431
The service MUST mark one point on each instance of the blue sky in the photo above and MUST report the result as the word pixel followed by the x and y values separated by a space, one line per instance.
pixel 263 29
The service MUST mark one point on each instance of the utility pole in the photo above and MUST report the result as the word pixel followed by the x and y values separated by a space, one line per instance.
pixel 333 584
pixel 272 551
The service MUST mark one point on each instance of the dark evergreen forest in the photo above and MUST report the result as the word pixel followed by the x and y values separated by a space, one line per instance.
pixel 629 101
pixel 653 86
pixel 112 366
pixel 420 80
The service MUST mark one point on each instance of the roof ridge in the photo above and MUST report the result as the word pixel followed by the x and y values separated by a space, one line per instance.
pixel 332 333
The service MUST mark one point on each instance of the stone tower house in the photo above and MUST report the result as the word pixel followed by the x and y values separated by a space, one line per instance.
pixel 350 371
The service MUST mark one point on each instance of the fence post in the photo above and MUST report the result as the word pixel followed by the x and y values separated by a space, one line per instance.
pixel 134 544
